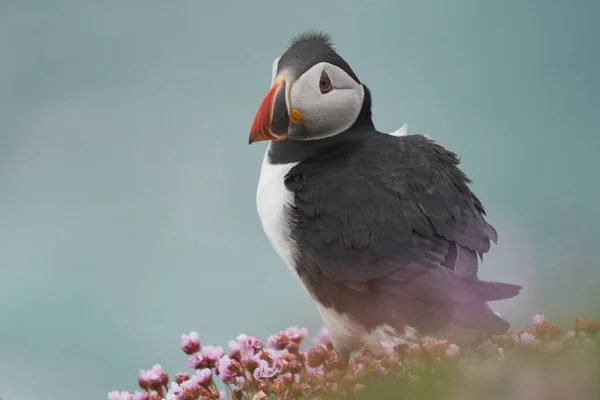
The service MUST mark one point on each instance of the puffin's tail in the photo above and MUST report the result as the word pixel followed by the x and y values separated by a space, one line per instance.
pixel 478 316
pixel 490 291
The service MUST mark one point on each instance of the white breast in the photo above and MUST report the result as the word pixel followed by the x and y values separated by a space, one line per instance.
pixel 271 199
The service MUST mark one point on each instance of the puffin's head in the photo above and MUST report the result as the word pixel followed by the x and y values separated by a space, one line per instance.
pixel 314 94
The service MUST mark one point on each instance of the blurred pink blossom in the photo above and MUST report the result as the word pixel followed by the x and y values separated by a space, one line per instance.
pixel 190 344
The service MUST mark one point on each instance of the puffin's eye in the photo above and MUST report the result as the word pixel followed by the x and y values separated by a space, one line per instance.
pixel 325 85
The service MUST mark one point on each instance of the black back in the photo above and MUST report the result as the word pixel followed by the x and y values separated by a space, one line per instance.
pixel 391 221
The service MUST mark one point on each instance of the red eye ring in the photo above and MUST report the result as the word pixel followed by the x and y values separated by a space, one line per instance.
pixel 325 84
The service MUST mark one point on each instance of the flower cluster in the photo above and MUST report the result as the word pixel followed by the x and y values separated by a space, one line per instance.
pixel 279 369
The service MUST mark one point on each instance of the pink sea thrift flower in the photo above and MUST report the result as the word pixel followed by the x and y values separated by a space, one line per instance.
pixel 321 338
pixel 227 369
pixel 202 376
pixel 296 334
pixel 128 396
pixel 276 341
pixel 150 379
pixel 158 369
pixel 319 370
pixel 212 354
pixel 250 351
pixel 240 382
pixel 453 351
pixel 284 355
pixel 359 368
pixel 176 392
pixel 190 344
pixel 388 346
pixel 251 362
pixel 249 344
pixel 196 361
pixel 181 376
pixel 190 386
pixel 538 320
pixel 528 339
pixel 120 396
pixel 266 371
pixel 234 348
pixel 141 396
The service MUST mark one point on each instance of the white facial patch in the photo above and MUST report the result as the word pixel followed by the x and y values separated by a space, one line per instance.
pixel 274 69
pixel 325 114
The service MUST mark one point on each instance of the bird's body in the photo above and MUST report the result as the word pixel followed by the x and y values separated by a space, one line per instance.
pixel 381 230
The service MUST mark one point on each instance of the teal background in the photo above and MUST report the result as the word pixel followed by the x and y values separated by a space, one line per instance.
pixel 127 187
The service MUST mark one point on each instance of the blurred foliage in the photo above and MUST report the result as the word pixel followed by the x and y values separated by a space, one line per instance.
pixel 538 362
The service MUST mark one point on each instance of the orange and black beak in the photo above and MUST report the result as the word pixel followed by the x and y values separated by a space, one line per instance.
pixel 272 120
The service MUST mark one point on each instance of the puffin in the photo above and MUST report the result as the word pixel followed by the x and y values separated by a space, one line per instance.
pixel 381 230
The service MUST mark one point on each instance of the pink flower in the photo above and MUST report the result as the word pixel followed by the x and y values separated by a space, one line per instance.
pixel 120 396
pixel 251 362
pixel 207 359
pixel 322 338
pixel 319 370
pixel 140 396
pixel 296 334
pixel 249 345
pixel 275 342
pixel 176 392
pixel 388 346
pixel 284 355
pixel 359 369
pixel 234 348
pixel 528 339
pixel 181 376
pixel 190 344
pixel 289 338
pixel 453 351
pixel 380 368
pixel 250 348
pixel 158 369
pixel 266 371
pixel 212 354
pixel 227 369
pixel 149 379
pixel 240 382
pixel 190 386
pixel 538 320
pixel 203 376
pixel 196 361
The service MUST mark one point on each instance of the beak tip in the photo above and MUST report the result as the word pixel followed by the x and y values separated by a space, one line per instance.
pixel 261 126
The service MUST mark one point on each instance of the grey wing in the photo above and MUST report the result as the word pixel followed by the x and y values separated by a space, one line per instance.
pixel 405 221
